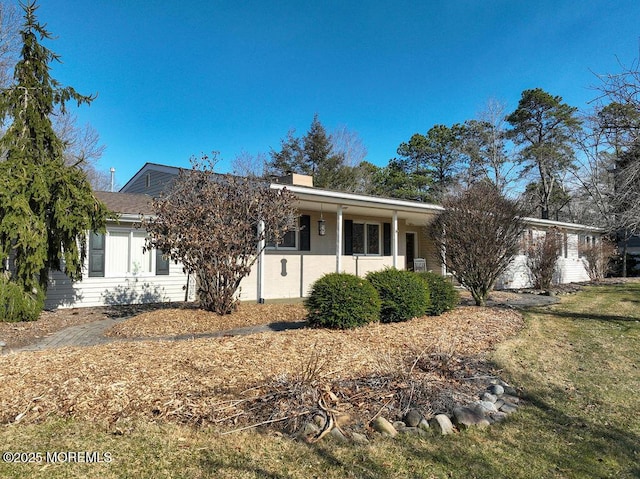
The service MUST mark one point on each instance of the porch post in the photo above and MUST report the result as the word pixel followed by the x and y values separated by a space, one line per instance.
pixel 394 239
pixel 261 245
pixel 339 239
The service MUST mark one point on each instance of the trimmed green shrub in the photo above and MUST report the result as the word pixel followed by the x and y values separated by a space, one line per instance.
pixel 16 304
pixel 341 301
pixel 444 296
pixel 404 295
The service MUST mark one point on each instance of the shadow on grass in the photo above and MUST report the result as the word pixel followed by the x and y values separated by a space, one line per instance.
pixel 591 449
pixel 583 316
pixel 212 463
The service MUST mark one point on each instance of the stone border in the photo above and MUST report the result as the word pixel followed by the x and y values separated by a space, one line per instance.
pixel 494 404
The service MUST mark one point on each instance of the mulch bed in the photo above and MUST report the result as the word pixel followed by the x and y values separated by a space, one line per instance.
pixel 178 321
pixel 266 378
pixel 28 332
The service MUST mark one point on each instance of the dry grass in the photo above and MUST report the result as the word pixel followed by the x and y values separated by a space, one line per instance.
pixel 235 381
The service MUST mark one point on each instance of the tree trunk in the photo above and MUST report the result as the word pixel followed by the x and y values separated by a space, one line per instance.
pixel 545 212
pixel 624 256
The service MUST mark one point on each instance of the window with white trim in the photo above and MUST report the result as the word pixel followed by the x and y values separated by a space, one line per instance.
pixel 366 238
pixel 122 253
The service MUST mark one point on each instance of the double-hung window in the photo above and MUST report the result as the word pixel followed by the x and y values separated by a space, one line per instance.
pixel 366 238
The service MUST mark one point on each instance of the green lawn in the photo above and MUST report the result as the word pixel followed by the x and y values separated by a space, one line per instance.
pixel 578 364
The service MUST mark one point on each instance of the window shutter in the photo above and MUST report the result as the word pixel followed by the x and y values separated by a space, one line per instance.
pixel 348 237
pixel 96 255
pixel 386 239
pixel 162 263
pixel 305 233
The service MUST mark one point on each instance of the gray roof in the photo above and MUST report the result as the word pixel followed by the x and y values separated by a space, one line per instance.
pixel 126 203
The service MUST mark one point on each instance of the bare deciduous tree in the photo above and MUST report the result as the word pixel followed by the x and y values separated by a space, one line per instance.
pixel 213 224
pixel 349 145
pixel 484 141
pixel 478 235
pixel 82 148
pixel 9 42
pixel 251 166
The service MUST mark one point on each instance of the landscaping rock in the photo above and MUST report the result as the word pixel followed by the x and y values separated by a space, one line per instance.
pixel 487 406
pixel 509 390
pixel 510 399
pixel 359 438
pixel 498 416
pixel 508 408
pixel 399 425
pixel 486 396
pixel 383 426
pixel 442 423
pixel 496 389
pixel 424 424
pixel 498 404
pixel 466 417
pixel 413 418
pixel 336 435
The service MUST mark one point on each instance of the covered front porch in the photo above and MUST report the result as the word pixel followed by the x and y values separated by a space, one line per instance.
pixel 346 233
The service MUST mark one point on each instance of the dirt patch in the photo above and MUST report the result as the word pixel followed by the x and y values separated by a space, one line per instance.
pixel 270 377
pixel 179 321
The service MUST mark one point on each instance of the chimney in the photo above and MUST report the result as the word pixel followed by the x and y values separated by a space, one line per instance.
pixel 294 179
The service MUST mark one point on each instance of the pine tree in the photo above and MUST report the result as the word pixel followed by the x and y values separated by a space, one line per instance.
pixel 46 208
pixel 313 155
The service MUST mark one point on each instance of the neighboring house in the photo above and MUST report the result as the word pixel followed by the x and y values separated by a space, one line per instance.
pixel 337 232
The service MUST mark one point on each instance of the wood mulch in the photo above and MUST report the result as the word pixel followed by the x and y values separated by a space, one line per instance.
pixel 49 322
pixel 178 321
pixel 267 378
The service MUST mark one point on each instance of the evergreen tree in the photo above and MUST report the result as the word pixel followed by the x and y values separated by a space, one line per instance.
pixel 545 129
pixel 433 160
pixel 313 155
pixel 46 207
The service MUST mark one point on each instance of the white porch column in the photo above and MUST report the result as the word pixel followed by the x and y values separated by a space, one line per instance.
pixel 339 239
pixel 394 239
pixel 261 248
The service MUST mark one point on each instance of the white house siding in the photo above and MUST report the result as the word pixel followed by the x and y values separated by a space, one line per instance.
pixel 131 289
pixel 569 266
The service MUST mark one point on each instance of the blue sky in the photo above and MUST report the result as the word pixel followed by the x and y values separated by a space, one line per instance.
pixel 178 78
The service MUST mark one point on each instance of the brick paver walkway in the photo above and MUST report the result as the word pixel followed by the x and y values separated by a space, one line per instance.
pixel 92 334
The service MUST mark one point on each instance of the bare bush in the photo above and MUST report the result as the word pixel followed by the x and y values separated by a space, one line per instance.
pixel 542 255
pixel 478 236
pixel 216 226
pixel 596 257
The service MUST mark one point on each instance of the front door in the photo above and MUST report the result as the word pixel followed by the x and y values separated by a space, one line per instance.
pixel 410 250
